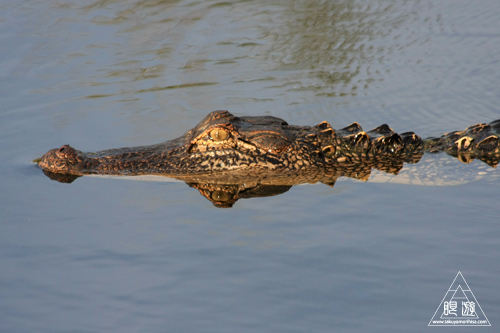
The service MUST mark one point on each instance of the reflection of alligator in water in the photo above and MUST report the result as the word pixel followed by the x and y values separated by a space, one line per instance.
pixel 227 157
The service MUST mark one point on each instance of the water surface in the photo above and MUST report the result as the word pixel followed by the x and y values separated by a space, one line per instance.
pixel 107 255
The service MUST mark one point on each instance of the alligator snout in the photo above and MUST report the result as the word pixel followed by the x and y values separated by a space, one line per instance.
pixel 60 159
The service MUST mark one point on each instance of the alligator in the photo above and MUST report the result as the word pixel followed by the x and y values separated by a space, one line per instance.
pixel 224 153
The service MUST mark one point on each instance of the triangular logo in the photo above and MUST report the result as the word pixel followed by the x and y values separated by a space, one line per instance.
pixel 459 307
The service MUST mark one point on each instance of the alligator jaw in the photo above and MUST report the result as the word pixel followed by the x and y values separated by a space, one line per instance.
pixel 125 161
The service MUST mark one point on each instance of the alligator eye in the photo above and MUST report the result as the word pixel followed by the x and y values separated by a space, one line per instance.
pixel 220 196
pixel 218 134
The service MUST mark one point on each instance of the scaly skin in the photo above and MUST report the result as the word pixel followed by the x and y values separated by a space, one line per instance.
pixel 225 143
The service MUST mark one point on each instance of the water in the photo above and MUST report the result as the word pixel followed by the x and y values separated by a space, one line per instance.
pixel 107 255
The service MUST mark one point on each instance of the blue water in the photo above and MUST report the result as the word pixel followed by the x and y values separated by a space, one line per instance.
pixel 108 255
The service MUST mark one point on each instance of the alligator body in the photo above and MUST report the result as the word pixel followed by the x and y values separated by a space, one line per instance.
pixel 225 150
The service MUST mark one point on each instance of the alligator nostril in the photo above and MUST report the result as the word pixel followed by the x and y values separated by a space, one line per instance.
pixel 64 152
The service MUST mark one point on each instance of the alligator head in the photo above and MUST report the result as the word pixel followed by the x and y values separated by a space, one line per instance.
pixel 220 142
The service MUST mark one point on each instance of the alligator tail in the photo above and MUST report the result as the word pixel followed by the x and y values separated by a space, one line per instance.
pixel 481 141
